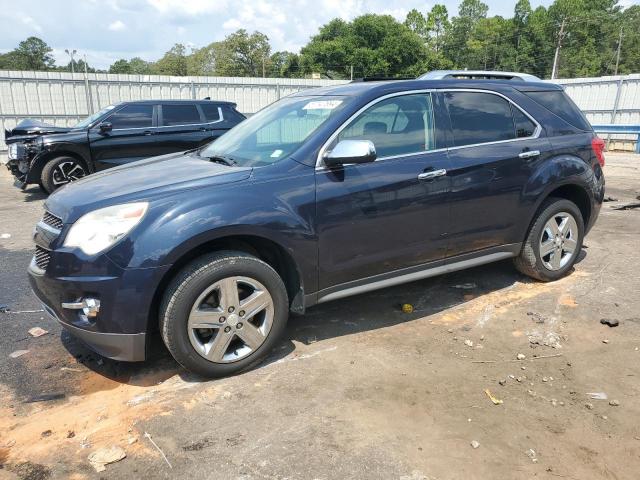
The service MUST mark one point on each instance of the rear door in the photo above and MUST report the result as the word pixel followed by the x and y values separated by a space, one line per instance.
pixel 496 147
pixel 182 127
pixel 131 138
pixel 380 217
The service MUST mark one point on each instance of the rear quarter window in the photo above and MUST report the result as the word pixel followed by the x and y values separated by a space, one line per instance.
pixel 558 103
pixel 211 112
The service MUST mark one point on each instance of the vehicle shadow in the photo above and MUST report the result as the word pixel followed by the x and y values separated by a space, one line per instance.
pixel 34 194
pixel 348 316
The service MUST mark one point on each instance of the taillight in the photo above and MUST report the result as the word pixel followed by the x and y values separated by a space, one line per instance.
pixel 597 144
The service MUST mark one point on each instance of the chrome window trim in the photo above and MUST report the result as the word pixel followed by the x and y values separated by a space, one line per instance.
pixel 320 165
pixel 169 126
pixel 535 135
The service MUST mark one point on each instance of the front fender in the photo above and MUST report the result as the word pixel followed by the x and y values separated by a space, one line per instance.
pixel 177 225
pixel 51 151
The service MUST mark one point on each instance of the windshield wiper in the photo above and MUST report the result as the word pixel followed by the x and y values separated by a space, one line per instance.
pixel 229 162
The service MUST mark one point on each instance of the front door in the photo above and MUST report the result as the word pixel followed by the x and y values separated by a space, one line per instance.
pixel 390 214
pixel 132 137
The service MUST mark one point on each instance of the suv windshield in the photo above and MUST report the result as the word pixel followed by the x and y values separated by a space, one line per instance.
pixel 92 118
pixel 275 132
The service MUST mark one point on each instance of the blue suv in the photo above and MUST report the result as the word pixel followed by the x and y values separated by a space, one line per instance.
pixel 324 194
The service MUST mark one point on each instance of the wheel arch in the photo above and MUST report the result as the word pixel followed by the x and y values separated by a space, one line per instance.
pixel 38 163
pixel 263 248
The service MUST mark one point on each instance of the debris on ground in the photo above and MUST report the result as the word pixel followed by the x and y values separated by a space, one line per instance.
pixel 628 206
pixel 609 199
pixel 465 286
pixel 531 453
pixel 597 395
pixel 4 308
pixel 71 434
pixel 45 397
pixel 407 308
pixel 4 236
pixel 521 356
pixel 496 401
pixel 589 406
pixel 148 436
pixel 537 317
pixel 69 369
pixel 475 443
pixel 37 332
pixel 503 382
pixel 18 353
pixel 104 456
pixel 547 339
pixel 610 321
pixel 46 433
pixel 606 340
pixel 614 403
pixel 468 343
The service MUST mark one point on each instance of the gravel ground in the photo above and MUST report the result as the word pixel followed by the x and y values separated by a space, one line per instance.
pixel 357 389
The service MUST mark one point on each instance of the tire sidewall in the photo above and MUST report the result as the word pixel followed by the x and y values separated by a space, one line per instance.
pixel 176 315
pixel 554 208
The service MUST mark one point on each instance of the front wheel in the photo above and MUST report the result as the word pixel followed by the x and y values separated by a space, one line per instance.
pixel 554 241
pixel 60 171
pixel 223 313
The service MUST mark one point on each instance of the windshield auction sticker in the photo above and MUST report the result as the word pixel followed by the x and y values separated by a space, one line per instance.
pixel 322 105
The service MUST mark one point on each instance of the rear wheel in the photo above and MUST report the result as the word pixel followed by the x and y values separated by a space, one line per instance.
pixel 554 241
pixel 223 313
pixel 60 171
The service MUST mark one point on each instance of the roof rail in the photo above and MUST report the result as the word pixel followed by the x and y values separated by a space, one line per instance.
pixel 478 75
pixel 380 79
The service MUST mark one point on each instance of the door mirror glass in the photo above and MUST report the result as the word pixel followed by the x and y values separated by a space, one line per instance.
pixel 351 151
pixel 105 127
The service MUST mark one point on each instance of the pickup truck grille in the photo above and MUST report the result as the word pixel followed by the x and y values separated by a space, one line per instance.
pixel 42 257
pixel 52 220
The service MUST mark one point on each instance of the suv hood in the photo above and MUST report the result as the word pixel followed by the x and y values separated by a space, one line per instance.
pixel 143 180
pixel 30 128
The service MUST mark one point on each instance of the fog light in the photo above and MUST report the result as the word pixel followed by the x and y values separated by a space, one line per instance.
pixel 89 306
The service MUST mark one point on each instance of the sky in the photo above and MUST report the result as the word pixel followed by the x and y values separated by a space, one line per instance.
pixel 106 30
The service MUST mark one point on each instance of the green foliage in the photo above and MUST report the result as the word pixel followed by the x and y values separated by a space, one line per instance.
pixel 174 62
pixel 31 54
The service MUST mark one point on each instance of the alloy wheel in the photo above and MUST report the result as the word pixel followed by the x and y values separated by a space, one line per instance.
pixel 67 172
pixel 559 241
pixel 230 319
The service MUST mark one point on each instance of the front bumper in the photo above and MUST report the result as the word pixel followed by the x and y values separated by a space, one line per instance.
pixel 119 331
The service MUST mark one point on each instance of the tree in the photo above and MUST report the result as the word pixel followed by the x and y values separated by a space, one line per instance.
pixel 372 44
pixel 242 54
pixel 134 66
pixel 284 64
pixel 31 54
pixel 174 62
pixel 456 48
pixel 416 22
pixel 438 25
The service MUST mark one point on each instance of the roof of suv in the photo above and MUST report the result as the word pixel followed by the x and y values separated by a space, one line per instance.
pixel 185 100
pixel 359 88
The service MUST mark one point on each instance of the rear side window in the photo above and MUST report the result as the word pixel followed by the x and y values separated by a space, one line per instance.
pixel 524 126
pixel 479 118
pixel 211 112
pixel 557 102
pixel 397 126
pixel 180 115
pixel 132 116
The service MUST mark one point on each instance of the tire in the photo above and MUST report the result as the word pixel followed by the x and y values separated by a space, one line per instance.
pixel 41 185
pixel 197 310
pixel 535 259
pixel 60 171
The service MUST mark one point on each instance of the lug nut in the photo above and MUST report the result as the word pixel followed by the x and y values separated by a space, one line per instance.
pixel 231 309
pixel 222 319
pixel 239 325
pixel 227 329
pixel 242 313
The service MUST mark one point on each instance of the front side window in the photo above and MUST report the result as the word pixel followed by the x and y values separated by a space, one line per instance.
pixel 180 115
pixel 276 131
pixel 92 118
pixel 479 118
pixel 399 125
pixel 132 116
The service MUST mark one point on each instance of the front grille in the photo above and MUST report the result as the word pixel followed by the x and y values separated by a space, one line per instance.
pixel 52 220
pixel 42 257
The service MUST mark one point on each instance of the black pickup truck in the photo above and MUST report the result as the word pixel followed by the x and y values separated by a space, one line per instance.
pixel 125 132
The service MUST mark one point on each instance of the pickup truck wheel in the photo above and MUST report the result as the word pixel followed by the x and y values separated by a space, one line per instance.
pixel 554 241
pixel 60 171
pixel 223 313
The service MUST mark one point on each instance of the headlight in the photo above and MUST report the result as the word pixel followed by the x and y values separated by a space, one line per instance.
pixel 13 151
pixel 98 230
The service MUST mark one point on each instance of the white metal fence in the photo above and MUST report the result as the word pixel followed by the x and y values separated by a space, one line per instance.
pixel 64 98
pixel 608 100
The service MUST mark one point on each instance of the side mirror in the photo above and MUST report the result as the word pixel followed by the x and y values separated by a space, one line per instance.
pixel 105 127
pixel 350 151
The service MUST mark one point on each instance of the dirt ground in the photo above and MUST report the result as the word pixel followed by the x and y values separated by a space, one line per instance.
pixel 357 388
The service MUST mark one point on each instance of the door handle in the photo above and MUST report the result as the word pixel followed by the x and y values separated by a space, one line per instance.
pixel 432 174
pixel 529 154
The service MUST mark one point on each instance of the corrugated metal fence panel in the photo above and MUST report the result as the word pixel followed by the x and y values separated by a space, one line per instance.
pixel 597 99
pixel 62 99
